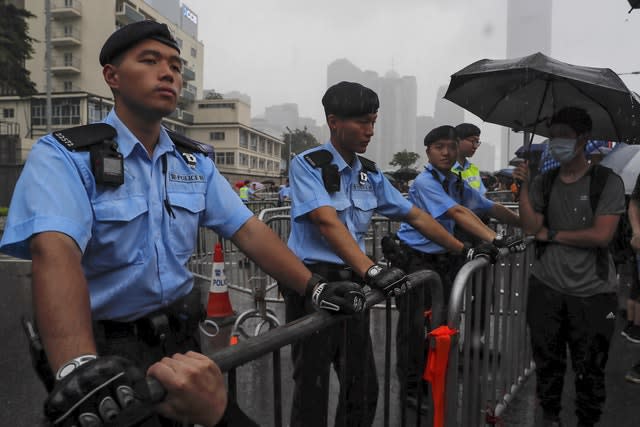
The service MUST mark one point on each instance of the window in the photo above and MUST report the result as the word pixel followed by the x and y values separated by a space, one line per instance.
pixel 8 113
pixel 97 111
pixel 254 162
pixel 244 138
pixel 229 105
pixel 216 136
pixel 64 111
pixel 261 145
pixel 225 158
pixel 253 144
pixel 68 30
pixel 277 150
pixel 244 159
pixel 193 52
pixel 68 85
pixel 261 163
pixel 68 59
pixel 269 147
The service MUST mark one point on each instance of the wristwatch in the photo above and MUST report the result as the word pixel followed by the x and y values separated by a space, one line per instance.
pixel 551 234
pixel 372 272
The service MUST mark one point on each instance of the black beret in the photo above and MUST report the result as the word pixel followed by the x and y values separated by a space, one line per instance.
pixel 127 36
pixel 348 99
pixel 439 133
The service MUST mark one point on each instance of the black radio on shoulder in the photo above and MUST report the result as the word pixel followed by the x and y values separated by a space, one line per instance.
pixel 107 164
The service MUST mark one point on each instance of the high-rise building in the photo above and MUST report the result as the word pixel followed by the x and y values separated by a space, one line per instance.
pixel 528 32
pixel 79 94
pixel 396 125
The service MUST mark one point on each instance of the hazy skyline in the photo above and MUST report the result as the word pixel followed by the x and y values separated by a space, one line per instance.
pixel 277 51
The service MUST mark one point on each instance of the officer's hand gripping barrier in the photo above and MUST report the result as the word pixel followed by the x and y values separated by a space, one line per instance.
pixel 109 391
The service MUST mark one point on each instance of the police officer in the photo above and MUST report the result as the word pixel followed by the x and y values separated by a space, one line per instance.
pixel 469 136
pixel 109 214
pixel 452 202
pixel 334 193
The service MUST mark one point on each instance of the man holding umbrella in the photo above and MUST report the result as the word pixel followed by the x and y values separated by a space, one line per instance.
pixel 573 214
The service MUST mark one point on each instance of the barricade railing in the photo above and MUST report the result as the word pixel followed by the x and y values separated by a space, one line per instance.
pixel 490 358
pixel 230 358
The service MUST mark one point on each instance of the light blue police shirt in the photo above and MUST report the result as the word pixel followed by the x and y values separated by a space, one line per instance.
pixel 134 253
pixel 428 194
pixel 360 195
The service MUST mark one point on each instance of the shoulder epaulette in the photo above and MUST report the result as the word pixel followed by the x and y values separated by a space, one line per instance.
pixel 368 165
pixel 186 144
pixel 82 137
pixel 319 158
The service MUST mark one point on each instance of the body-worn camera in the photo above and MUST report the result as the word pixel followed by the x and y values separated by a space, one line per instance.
pixel 107 164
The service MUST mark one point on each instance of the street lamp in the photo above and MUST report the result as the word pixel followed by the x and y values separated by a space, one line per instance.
pixel 289 148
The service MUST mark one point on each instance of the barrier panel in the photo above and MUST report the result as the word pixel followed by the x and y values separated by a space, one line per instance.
pixel 490 358
pixel 489 361
pixel 230 358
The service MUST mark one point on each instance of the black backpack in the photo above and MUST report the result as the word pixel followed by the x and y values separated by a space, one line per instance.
pixel 620 246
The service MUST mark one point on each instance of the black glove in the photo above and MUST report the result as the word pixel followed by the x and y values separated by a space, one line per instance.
pixel 512 243
pixel 487 250
pixel 339 297
pixel 392 281
pixel 106 391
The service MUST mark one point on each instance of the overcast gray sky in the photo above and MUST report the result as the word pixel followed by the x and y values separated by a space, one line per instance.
pixel 277 51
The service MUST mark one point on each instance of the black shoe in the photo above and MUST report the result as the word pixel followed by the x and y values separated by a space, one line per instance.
pixel 633 375
pixel 631 333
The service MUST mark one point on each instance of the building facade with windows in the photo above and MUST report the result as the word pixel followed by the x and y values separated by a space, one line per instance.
pixel 80 96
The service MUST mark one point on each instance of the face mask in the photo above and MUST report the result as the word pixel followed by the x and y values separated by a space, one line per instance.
pixel 562 149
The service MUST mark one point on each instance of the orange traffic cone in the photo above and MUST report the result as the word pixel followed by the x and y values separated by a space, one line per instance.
pixel 219 304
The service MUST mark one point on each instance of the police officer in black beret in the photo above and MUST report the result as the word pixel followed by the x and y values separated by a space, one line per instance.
pixel 109 214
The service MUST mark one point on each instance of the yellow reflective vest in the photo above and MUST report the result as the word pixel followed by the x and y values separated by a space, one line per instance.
pixel 471 174
pixel 244 193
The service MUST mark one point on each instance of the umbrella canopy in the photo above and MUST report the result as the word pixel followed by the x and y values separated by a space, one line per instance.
pixel 635 4
pixel 524 93
pixel 405 174
pixel 625 161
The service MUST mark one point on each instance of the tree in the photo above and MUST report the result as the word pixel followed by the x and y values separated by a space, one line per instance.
pixel 15 48
pixel 300 140
pixel 404 159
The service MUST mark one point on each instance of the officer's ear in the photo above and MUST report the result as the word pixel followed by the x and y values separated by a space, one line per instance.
pixel 111 76
pixel 332 122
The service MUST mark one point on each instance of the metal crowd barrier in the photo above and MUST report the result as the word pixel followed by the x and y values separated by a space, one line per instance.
pixel 230 358
pixel 491 357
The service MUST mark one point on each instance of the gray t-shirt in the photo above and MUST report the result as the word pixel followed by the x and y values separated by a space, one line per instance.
pixel 570 269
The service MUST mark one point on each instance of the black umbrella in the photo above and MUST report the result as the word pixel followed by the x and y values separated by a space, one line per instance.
pixel 405 174
pixel 524 93
pixel 635 4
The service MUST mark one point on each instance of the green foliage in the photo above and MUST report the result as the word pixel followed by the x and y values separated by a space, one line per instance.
pixel 300 139
pixel 15 48
pixel 4 211
pixel 404 159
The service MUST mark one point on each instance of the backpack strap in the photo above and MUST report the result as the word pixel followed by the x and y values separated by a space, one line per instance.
pixel 82 138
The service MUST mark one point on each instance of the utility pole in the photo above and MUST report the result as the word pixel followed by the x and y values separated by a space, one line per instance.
pixel 47 60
